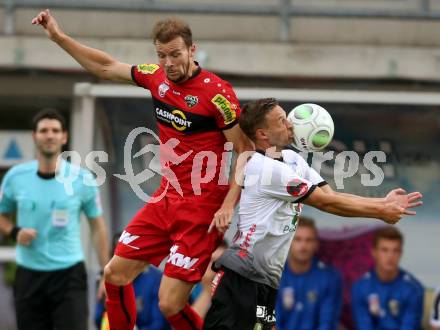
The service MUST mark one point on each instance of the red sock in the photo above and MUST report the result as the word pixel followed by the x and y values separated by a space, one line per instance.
pixel 186 319
pixel 121 306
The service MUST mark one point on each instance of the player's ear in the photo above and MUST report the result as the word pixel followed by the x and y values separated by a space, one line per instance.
pixel 192 50
pixel 260 134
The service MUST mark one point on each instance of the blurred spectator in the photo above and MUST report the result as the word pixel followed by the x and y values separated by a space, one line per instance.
pixel 50 288
pixel 387 297
pixel 146 288
pixel 435 312
pixel 310 294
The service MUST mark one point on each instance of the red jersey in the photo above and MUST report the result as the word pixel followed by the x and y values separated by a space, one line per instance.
pixel 191 116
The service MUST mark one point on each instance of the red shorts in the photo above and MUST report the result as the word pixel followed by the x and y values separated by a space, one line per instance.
pixel 177 228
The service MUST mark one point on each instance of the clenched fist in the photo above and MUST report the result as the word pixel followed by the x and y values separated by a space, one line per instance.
pixel 49 23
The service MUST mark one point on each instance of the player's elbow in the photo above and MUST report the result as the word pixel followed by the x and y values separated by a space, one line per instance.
pixel 107 71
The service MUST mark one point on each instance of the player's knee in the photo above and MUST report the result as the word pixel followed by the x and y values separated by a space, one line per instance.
pixel 168 306
pixel 115 277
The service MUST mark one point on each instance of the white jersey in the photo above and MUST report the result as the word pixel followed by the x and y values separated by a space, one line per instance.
pixel 268 212
pixel 435 312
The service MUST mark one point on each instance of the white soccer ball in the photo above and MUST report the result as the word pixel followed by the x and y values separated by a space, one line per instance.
pixel 313 127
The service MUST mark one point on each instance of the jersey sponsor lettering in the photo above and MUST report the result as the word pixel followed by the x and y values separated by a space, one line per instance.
pixel 292 227
pixel 216 281
pixel 225 107
pixel 180 260
pixel 147 68
pixel 182 121
pixel 176 118
pixel 244 246
pixel 127 238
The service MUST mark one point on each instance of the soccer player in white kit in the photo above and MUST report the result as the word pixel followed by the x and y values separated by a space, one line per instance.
pixel 276 183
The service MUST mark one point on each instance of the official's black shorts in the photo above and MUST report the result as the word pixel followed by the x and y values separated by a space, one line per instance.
pixel 51 300
pixel 240 304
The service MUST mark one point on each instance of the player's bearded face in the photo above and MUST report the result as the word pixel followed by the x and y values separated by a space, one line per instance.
pixel 49 137
pixel 176 58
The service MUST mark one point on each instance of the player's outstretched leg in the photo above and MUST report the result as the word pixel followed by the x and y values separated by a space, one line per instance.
pixel 121 301
pixel 173 303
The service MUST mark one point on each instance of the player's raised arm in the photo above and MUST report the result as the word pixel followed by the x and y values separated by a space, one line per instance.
pixel 408 201
pixel 93 60
pixel 390 209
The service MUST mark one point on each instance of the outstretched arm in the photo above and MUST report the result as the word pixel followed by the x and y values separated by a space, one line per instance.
pixel 93 60
pixel 399 195
pixel 390 210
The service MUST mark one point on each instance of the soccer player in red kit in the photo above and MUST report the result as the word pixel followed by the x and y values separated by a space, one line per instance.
pixel 197 114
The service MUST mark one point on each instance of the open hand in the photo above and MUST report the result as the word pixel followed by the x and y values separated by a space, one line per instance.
pixel 407 201
pixel 222 219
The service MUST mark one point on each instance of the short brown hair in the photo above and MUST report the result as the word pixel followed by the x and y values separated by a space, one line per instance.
pixel 308 223
pixel 48 114
pixel 389 233
pixel 253 115
pixel 170 28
